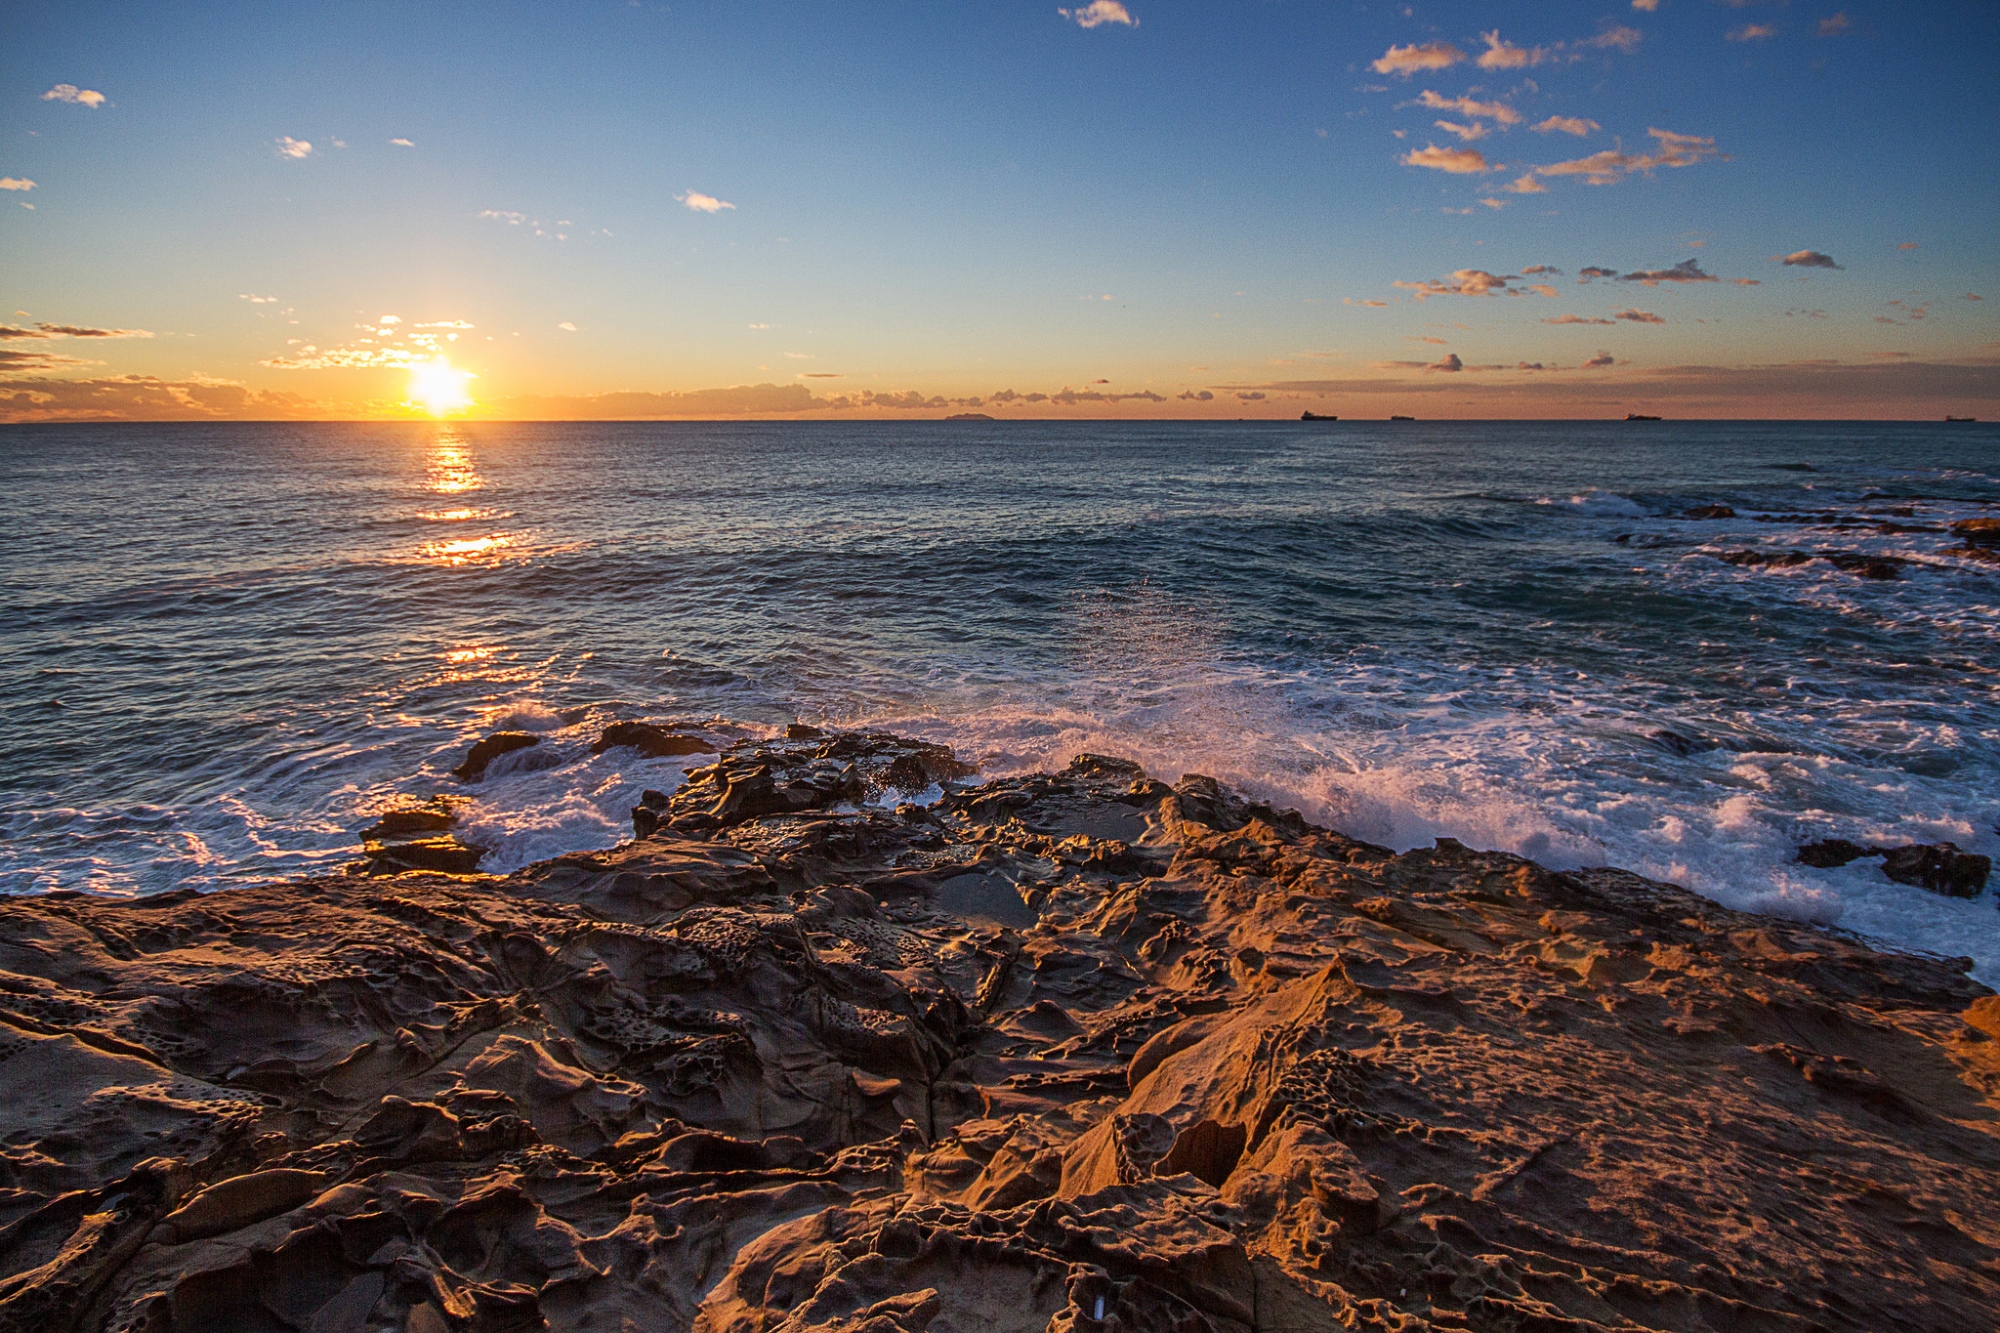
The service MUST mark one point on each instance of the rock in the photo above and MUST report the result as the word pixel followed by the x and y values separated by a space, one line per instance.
pixel 799 731
pixel 652 741
pixel 1978 531
pixel 486 751
pixel 1710 511
pixel 1867 566
pixel 446 855
pixel 1213 1068
pixel 1831 852
pixel 433 816
pixel 1940 867
pixel 1768 559
pixel 1684 744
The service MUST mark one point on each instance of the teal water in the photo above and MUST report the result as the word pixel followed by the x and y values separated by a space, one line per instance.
pixel 222 646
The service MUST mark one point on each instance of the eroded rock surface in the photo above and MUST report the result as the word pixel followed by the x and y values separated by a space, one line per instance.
pixel 1080 1051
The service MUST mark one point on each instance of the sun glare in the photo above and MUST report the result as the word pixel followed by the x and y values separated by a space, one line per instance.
pixel 439 388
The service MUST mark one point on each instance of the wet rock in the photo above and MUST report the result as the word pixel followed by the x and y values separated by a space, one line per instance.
pixel 446 855
pixel 1710 511
pixel 1978 531
pixel 1867 566
pixel 1831 852
pixel 654 742
pixel 1683 743
pixel 486 751
pixel 433 816
pixel 1766 559
pixel 1940 867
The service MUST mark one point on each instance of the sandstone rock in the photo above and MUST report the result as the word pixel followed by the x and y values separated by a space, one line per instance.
pixel 448 855
pixel 1978 531
pixel 492 747
pixel 751 1073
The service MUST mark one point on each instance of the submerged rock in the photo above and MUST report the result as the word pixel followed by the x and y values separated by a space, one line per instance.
pixel 1710 511
pixel 486 751
pixel 654 742
pixel 1070 1051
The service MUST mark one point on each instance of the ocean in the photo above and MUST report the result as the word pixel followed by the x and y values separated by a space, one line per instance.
pixel 222 647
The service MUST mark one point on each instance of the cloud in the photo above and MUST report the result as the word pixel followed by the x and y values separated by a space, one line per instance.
pixel 1908 245
pixel 69 92
pixel 1458 161
pixel 697 202
pixel 294 148
pixel 1501 54
pixel 8 332
pixel 760 326
pixel 1426 338
pixel 1494 203
pixel 1601 360
pixel 1752 32
pixel 1834 26
pixel 402 143
pixel 1099 12
pixel 256 300
pixel 1468 132
pixel 1474 282
pixel 1527 185
pixel 310 357
pixel 1612 165
pixel 1639 316
pixel 1451 365
pixel 1688 270
pixel 1589 271
pixel 1616 38
pixel 567 327
pixel 146 398
pixel 1192 396
pixel 498 215
pixel 1541 268
pixel 1379 305
pixel 1645 6
pixel 1407 60
pixel 1252 397
pixel 15 359
pixel 1576 125
pixel 1806 259
pixel 447 324
pixel 15 183
pixel 1471 106
pixel 1974 296
pixel 1575 319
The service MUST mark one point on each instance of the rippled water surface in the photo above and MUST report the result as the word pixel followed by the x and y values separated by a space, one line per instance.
pixel 221 647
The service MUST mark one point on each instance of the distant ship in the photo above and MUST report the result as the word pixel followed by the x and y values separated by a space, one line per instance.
pixel 1393 418
pixel 1639 416
pixel 1961 418
pixel 1314 416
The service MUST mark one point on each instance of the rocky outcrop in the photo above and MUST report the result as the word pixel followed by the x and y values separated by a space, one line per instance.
pixel 484 752
pixel 1074 1051
pixel 1940 867
pixel 652 742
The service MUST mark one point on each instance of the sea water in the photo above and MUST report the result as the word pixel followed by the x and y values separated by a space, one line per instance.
pixel 222 647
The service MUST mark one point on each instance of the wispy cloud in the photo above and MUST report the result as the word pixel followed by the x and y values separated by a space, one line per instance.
pixel 1576 125
pixel 1806 259
pixel 294 148
pixel 697 202
pixel 9 332
pixel 567 327
pixel 1458 161
pixel 1613 165
pixel 1834 25
pixel 12 361
pixel 256 300
pixel 1527 185
pixel 1909 245
pixel 1407 60
pixel 1752 32
pixel 1381 305
pixel 1575 319
pixel 1601 360
pixel 1098 13
pixel 1498 112
pixel 1616 38
pixel 402 143
pixel 15 183
pixel 1639 317
pixel 1466 132
pixel 1645 6
pixel 69 92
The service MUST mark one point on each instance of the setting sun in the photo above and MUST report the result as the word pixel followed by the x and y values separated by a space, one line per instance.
pixel 439 388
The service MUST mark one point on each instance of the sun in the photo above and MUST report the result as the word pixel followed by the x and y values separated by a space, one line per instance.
pixel 439 388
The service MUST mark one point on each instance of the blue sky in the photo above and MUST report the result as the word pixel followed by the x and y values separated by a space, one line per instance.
pixel 929 203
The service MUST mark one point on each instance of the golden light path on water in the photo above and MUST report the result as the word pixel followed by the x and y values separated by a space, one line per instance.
pixel 450 470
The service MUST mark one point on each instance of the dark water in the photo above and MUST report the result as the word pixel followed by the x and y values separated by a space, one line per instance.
pixel 222 646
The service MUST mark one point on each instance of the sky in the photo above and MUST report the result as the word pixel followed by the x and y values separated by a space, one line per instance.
pixel 623 209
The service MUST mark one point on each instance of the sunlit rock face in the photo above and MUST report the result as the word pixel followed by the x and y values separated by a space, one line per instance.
pixel 1075 1051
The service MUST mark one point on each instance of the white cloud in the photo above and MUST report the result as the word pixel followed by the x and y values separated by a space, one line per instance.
pixel 1616 38
pixel 1458 161
pixel 290 147
pixel 1471 106
pixel 1099 12
pixel 1501 54
pixel 1473 282
pixel 402 143
pixel 256 300
pixel 447 324
pixel 15 183
pixel 1527 185
pixel 1612 165
pixel 1466 132
pixel 1576 125
pixel 567 327
pixel 69 92
pixel 760 326
pixel 500 215
pixel 1407 60
pixel 697 202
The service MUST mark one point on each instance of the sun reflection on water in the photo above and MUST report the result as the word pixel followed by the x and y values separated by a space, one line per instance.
pixel 450 469
pixel 468 549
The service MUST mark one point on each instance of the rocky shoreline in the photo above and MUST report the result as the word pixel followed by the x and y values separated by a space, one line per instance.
pixel 1073 1051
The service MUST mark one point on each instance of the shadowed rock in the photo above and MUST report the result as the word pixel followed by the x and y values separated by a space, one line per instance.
pixel 785 1065
pixel 486 751
pixel 652 741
